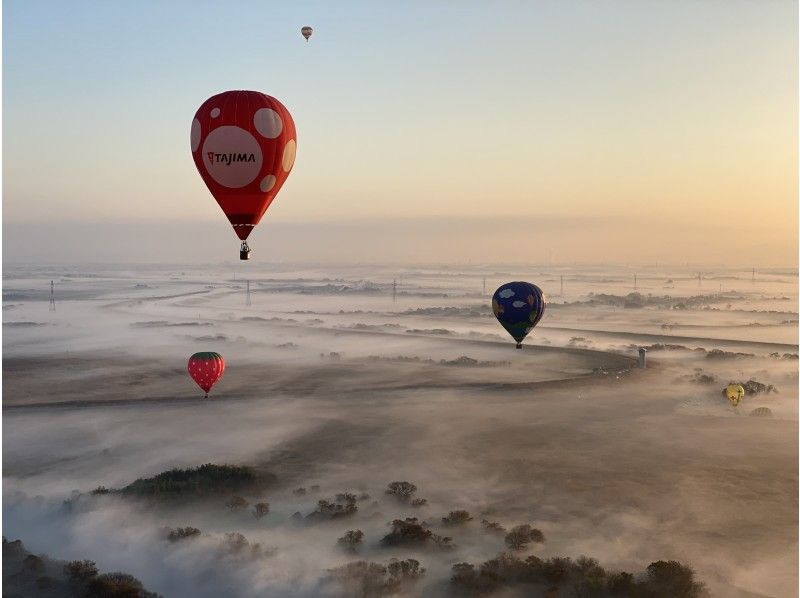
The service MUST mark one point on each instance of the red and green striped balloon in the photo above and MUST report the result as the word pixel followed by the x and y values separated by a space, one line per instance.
pixel 206 368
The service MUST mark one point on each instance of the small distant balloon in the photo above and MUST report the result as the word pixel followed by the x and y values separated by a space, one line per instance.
pixel 306 31
pixel 518 306
pixel 206 368
pixel 735 394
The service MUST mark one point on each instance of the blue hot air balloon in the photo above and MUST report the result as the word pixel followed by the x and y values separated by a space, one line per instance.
pixel 518 306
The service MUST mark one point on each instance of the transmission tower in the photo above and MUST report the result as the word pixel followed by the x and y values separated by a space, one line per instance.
pixel 247 300
pixel 52 297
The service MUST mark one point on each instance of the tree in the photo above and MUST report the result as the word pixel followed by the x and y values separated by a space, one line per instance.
pixel 351 541
pixel 236 503
pixel 260 509
pixel 521 535
pixel 402 491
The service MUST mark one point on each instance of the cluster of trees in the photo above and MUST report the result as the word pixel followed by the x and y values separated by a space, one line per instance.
pixel 302 491
pixel 720 354
pixel 637 300
pixel 344 505
pixel 404 492
pixel 413 533
pixel 582 577
pixel 364 579
pixel 236 544
pixel 25 574
pixel 351 541
pixel 182 533
pixel 789 356
pixel 521 535
pixel 459 517
pixel 200 481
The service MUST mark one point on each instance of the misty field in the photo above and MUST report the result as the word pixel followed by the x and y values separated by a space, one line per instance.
pixel 370 440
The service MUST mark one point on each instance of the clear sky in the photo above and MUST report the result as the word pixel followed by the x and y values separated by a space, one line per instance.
pixel 601 129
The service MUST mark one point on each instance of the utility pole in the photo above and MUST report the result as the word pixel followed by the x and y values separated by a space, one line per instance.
pixel 394 291
pixel 247 301
pixel 562 285
pixel 634 282
pixel 52 297
pixel 699 279
pixel 754 275
pixel 484 286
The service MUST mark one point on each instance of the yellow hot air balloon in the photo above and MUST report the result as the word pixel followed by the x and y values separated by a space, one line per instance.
pixel 306 31
pixel 735 393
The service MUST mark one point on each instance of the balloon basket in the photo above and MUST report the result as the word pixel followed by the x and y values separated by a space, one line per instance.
pixel 244 252
pixel 519 345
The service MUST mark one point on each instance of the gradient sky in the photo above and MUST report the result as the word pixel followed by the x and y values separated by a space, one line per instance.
pixel 668 124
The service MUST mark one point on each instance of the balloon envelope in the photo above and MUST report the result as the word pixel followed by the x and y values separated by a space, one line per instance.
pixel 306 32
pixel 243 144
pixel 518 306
pixel 735 393
pixel 206 368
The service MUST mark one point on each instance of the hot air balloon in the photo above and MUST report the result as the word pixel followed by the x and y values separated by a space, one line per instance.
pixel 206 368
pixel 518 306
pixel 735 393
pixel 306 31
pixel 243 144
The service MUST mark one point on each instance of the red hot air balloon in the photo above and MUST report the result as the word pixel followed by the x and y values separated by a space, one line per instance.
pixel 206 368
pixel 243 143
